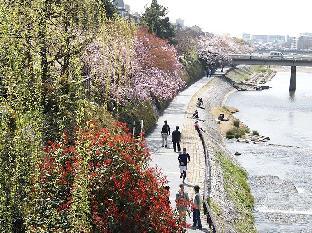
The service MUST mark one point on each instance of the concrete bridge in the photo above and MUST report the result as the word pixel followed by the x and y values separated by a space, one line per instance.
pixel 292 61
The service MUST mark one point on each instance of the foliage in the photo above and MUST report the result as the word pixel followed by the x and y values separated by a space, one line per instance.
pixel 237 188
pixel 236 123
pixel 135 112
pixel 236 132
pixel 119 187
pixel 245 73
pixel 62 64
pixel 155 19
pixel 110 8
pixel 146 68
pixel 187 45
pixel 157 72
pixel 187 40
pixel 40 68
pixel 255 133
pixel 214 50
pixel 108 63
pixel 214 207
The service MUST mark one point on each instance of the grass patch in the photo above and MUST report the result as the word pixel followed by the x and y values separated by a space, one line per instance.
pixel 236 123
pixel 238 190
pixel 214 206
pixel 255 133
pixel 236 132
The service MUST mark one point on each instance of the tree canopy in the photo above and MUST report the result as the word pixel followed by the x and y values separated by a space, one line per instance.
pixel 155 18
pixel 110 8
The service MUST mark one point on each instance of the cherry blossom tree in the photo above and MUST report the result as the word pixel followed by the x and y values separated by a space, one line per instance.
pixel 133 66
pixel 214 50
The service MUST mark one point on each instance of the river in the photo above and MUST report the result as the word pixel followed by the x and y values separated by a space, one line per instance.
pixel 280 172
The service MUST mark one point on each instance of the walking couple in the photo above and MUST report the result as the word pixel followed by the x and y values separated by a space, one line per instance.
pixel 176 137
pixel 183 203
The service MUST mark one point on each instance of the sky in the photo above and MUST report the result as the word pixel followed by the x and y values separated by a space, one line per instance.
pixel 284 17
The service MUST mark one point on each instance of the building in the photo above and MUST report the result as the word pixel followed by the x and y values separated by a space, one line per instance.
pixel 276 39
pixel 246 37
pixel 304 42
pixel 268 38
pixel 306 34
pixel 124 11
pixel 259 38
pixel 180 23
pixel 291 42
pixel 122 8
pixel 135 17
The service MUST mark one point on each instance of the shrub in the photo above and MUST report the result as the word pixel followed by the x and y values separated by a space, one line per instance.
pixel 236 132
pixel 255 133
pixel 137 112
pixel 236 123
pixel 104 182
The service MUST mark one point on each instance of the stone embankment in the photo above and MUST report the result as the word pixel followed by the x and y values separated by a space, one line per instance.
pixel 230 196
pixel 246 78
pixel 230 199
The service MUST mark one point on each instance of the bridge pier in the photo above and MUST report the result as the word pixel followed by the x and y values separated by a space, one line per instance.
pixel 292 85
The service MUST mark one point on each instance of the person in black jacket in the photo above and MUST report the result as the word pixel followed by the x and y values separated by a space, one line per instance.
pixel 183 158
pixel 165 131
pixel 176 138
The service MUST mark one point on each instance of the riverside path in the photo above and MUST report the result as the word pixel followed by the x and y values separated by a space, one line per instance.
pixel 179 113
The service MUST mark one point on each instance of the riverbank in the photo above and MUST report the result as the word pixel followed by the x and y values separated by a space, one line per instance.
pixel 279 172
pixel 218 173
pixel 230 198
pixel 242 79
pixel 250 78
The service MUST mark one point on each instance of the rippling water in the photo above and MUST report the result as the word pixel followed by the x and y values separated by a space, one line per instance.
pixel 280 174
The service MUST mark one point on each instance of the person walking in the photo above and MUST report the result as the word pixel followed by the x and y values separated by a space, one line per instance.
pixel 182 203
pixel 165 131
pixel 196 208
pixel 176 138
pixel 183 158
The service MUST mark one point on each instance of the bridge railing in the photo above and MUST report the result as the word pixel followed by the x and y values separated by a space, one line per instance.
pixel 268 57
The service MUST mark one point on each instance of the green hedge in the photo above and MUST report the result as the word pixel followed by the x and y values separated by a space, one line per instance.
pixel 137 112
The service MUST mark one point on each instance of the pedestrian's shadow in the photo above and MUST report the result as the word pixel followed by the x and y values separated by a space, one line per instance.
pixel 189 185
pixel 201 230
pixel 196 119
pixel 205 230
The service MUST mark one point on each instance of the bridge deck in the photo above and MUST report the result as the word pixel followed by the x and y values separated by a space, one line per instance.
pixel 285 61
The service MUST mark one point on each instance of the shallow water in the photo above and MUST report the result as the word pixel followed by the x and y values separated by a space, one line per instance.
pixel 280 174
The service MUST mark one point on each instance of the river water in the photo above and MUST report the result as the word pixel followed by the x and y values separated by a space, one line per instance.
pixel 280 172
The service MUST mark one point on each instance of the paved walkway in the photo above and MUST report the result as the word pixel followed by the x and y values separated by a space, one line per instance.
pixel 179 114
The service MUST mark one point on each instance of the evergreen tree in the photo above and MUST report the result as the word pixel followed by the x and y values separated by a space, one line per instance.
pixel 110 8
pixel 41 75
pixel 157 22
